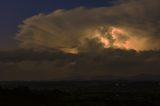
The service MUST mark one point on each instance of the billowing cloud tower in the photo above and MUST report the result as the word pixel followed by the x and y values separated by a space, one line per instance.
pixel 128 25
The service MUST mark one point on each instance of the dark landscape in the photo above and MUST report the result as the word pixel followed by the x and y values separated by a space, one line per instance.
pixel 80 93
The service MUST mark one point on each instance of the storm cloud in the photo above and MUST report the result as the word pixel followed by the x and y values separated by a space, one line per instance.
pixel 75 44
pixel 72 30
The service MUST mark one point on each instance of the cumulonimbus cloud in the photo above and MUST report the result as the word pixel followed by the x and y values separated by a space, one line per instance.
pixel 72 30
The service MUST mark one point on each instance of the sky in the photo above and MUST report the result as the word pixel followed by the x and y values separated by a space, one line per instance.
pixel 14 12
pixel 79 39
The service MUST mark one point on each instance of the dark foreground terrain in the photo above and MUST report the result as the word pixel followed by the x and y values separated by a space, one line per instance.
pixel 80 93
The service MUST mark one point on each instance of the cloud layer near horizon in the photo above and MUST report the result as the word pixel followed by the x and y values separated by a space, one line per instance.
pixel 111 63
pixel 73 29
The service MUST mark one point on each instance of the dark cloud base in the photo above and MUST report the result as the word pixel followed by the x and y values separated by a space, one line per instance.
pixel 56 65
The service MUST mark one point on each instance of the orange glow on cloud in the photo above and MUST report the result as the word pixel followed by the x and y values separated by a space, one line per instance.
pixel 112 37
pixel 104 41
pixel 70 50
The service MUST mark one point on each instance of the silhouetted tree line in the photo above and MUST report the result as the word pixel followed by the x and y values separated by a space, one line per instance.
pixel 23 96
